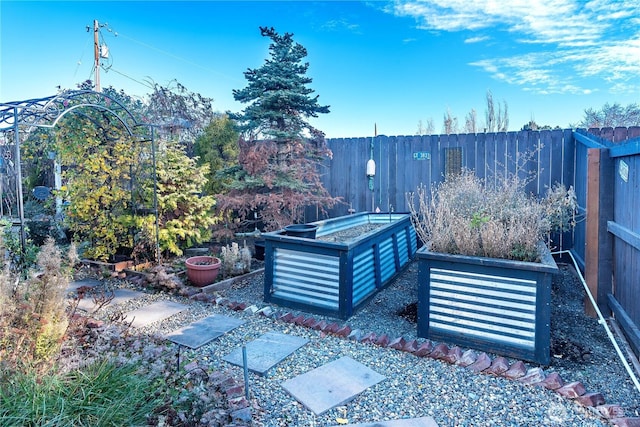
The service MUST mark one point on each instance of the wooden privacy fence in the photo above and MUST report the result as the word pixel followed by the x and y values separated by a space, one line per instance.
pixel 602 165
pixel 405 162
pixel 609 249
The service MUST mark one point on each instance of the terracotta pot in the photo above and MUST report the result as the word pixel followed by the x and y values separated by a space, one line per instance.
pixel 203 270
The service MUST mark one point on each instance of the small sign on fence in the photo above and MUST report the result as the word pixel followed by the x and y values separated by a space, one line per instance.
pixel 623 170
pixel 421 155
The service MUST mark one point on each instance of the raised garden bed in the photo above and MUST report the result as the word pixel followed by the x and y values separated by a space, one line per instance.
pixel 489 304
pixel 351 258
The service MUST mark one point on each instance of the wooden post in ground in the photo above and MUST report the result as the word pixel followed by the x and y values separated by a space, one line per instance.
pixel 599 247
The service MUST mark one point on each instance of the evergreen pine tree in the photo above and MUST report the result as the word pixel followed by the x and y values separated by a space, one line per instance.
pixel 277 176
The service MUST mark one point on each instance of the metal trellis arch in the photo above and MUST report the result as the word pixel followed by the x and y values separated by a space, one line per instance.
pixel 22 117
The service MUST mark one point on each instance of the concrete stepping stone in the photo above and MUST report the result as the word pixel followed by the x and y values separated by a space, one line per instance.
pixel 332 384
pixel 204 331
pixel 76 284
pixel 154 313
pixel 266 351
pixel 119 296
pixel 408 422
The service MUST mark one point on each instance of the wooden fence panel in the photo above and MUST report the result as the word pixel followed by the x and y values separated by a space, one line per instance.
pixel 545 162
pixel 607 133
pixel 480 156
pixel 581 195
pixel 490 158
pixel 627 250
pixel 568 158
pixel 501 161
pixel 405 162
pixel 468 142
pixel 382 178
pixel 528 160
pixel 568 178
pixel 419 166
pixel 405 175
pixel 512 153
pixel 436 164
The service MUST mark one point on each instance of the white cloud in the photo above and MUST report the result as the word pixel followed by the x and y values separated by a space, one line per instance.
pixel 477 39
pixel 341 24
pixel 571 41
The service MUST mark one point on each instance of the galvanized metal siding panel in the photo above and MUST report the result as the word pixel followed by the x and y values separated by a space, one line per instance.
pixel 403 247
pixel 337 278
pixel 414 240
pixel 387 260
pixel 491 308
pixel 308 278
pixel 364 275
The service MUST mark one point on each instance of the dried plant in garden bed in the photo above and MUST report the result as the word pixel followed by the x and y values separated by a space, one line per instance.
pixel 236 260
pixel 465 215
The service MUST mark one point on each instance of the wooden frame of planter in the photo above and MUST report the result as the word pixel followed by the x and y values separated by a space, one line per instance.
pixel 495 305
pixel 336 278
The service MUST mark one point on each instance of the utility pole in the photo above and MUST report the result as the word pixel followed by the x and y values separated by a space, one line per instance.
pixel 96 53
pixel 99 52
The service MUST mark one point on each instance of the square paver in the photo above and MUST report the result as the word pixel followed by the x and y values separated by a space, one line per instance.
pixel 204 331
pixel 266 351
pixel 332 384
pixel 154 313
pixel 119 296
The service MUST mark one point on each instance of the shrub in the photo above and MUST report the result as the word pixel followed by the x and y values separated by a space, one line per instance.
pixel 184 214
pixel 19 259
pixel 33 318
pixel 235 260
pixel 463 215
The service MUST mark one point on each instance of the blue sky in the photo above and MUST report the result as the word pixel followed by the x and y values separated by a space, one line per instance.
pixel 377 63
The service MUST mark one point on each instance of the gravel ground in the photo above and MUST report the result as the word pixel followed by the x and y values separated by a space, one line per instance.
pixel 414 386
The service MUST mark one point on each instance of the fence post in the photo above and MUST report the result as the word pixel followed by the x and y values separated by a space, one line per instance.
pixel 599 247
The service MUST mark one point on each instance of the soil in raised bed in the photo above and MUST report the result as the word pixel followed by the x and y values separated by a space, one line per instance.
pixel 349 234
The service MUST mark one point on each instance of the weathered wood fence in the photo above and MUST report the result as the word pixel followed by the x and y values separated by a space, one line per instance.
pixel 405 162
pixel 609 182
pixel 602 165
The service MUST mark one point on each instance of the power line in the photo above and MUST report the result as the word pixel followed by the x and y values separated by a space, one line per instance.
pixel 84 50
pixel 129 77
pixel 172 55
pixel 100 43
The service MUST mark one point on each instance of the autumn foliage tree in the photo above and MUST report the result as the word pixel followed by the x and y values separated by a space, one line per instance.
pixel 277 174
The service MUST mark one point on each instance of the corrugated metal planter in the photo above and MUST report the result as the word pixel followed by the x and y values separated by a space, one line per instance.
pixel 489 304
pixel 335 278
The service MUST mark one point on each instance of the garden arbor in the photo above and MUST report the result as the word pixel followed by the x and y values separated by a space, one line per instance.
pixel 20 118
